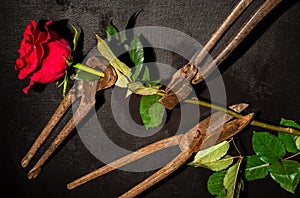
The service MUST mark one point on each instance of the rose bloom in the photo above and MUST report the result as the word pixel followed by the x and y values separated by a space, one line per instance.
pixel 42 55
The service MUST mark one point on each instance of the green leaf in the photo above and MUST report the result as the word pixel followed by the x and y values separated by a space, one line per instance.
pixel 289 123
pixel 151 111
pixel 136 53
pixel 140 89
pixel 268 147
pixel 286 173
pixel 211 154
pixel 255 168
pixel 298 143
pixel 289 140
pixel 215 165
pixel 215 183
pixel 113 60
pixel 111 31
pixel 146 75
pixel 76 37
pixel 230 179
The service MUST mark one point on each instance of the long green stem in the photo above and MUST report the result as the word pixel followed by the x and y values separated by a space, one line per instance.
pixel 88 69
pixel 237 115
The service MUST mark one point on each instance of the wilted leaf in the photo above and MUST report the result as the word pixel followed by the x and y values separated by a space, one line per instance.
pixel 211 154
pixel 230 179
pixel 136 53
pixel 255 168
pixel 215 183
pixel 122 81
pixel 113 60
pixel 140 89
pixel 215 165
pixel 286 173
pixel 151 111
pixel 268 147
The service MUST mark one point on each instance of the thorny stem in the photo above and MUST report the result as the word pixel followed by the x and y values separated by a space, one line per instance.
pixel 88 69
pixel 237 115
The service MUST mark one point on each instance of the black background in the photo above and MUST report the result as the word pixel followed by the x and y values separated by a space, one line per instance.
pixel 264 72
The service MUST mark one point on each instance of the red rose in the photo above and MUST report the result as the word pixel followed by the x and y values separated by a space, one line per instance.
pixel 42 54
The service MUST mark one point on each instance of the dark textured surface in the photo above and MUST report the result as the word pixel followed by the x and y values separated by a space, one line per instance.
pixel 264 71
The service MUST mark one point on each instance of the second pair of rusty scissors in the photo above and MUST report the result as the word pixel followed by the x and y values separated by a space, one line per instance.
pixel 208 132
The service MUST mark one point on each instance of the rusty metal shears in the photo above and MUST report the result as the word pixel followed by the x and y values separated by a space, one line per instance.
pixel 208 132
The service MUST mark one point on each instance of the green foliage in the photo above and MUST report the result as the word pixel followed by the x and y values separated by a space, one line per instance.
pixel 289 140
pixel 122 70
pixel 136 52
pixel 151 111
pixel 211 157
pixel 270 151
pixel 267 147
pixel 286 173
pixel 255 168
pixel 269 158
pixel 230 179
pixel 112 31
pixel 215 184
pixel 217 165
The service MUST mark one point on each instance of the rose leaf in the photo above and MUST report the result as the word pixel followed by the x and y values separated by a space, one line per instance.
pixel 111 31
pixel 215 184
pixel 268 147
pixel 151 111
pixel 216 165
pixel 230 179
pixel 136 53
pixel 113 60
pixel 211 154
pixel 286 173
pixel 255 168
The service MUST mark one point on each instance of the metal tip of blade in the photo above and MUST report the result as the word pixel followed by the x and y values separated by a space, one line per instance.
pixel 239 107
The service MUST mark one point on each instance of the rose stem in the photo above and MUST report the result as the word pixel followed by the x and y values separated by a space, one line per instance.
pixel 267 6
pixel 88 69
pixel 60 111
pixel 81 112
pixel 165 143
pixel 237 115
pixel 234 14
